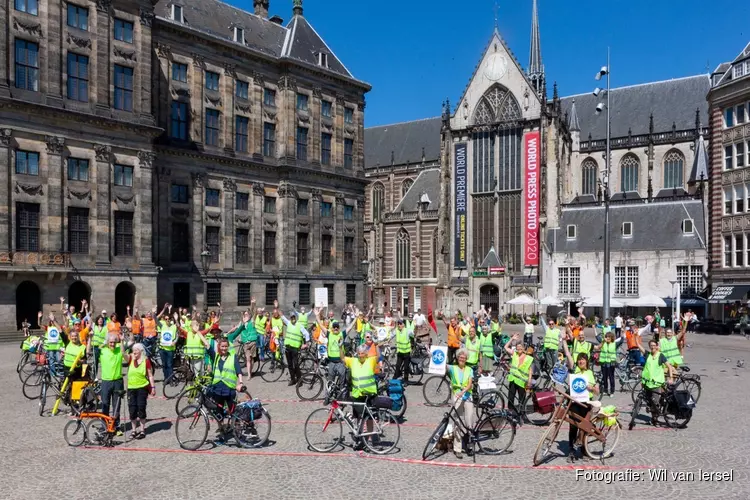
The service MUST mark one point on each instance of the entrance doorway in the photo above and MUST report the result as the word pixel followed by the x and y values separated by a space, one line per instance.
pixel 181 295
pixel 78 291
pixel 28 303
pixel 489 296
pixel 124 296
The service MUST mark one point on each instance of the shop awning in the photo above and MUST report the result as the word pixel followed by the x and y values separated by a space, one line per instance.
pixel 687 301
pixel 723 294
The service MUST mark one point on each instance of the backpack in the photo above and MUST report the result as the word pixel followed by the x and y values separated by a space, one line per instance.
pixel 560 373
pixel 395 391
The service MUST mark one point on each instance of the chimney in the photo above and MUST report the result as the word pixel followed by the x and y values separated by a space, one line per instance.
pixel 261 8
pixel 277 19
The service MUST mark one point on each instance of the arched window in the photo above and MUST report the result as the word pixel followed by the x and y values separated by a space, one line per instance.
pixel 629 167
pixel 497 105
pixel 674 164
pixel 589 172
pixel 378 201
pixel 403 254
pixel 435 253
pixel 405 186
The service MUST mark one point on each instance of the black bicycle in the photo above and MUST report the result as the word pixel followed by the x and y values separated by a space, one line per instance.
pixel 675 405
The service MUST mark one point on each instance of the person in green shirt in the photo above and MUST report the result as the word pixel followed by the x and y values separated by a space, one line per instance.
pixel 110 360
pixel 248 336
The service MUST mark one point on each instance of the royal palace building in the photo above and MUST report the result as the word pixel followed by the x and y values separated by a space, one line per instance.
pixel 184 152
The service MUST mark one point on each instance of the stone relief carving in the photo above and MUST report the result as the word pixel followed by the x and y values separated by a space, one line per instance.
pixel 304 224
pixel 83 43
pixel 349 230
pixel 213 101
pixel 327 225
pixel 30 28
pixel 258 79
pixel 55 144
pixel 103 5
pixel 244 108
pixel 32 189
pixel 317 92
pixel 361 105
pixel 270 224
pixel 259 188
pixel 164 50
pixel 242 220
pixel 199 61
pixel 230 185
pixel 303 117
pixel 230 70
pixel 81 195
pixel 6 135
pixel 123 198
pixel 269 113
pixel 360 203
pixel 180 92
pixel 146 159
pixel 287 190
pixel 216 217
pixel 147 17
pixel 199 179
pixel 103 152
pixel 340 198
pixel 316 195
pixel 340 99
pixel 124 54
pixel 349 129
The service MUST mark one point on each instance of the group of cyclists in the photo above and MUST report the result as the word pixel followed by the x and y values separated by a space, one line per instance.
pixel 355 349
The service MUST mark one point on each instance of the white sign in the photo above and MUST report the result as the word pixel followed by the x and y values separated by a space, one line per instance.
pixel 487 383
pixel 321 297
pixel 577 384
pixel 438 359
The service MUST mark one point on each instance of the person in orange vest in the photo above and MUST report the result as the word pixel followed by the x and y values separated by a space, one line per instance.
pixel 455 335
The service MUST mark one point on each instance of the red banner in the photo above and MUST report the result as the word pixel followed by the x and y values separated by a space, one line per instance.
pixel 531 198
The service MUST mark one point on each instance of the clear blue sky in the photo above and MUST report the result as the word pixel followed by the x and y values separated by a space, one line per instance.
pixel 416 53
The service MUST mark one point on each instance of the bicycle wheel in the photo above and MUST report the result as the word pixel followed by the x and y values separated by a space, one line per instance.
pixel 435 438
pixel 74 433
pixel 191 428
pixel 494 434
pixel 306 365
pixel 323 430
pixel 490 401
pixel 310 386
pixel 43 396
pixel 546 443
pixel 690 384
pixel 382 432
pixel 252 433
pixel 22 361
pixel 415 378
pixel 188 397
pixel 174 384
pixel 631 378
pixel 634 412
pixel 436 390
pixel 531 415
pixel 636 391
pixel 599 450
pixel 271 370
pixel 31 384
pixel 96 432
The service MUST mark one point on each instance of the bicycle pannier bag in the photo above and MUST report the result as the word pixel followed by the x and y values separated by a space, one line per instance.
pixel 382 402
pixel 396 393
pixel 544 402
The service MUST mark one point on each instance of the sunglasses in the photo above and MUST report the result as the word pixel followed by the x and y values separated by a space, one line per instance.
pixel 368 338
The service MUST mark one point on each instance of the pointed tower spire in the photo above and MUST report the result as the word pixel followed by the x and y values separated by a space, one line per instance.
pixel 536 68
pixel 573 124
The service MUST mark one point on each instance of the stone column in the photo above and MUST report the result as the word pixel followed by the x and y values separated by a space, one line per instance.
pixel 6 194
pixel 163 102
pixel 227 101
pixel 287 225
pixel 255 135
pixel 198 199
pixel 101 67
pixel 313 143
pixel 103 201
pixel 315 235
pixel 55 201
pixel 4 42
pixel 54 48
pixel 230 188
pixel 256 226
pixel 338 231
pixel 338 131
pixel 145 206
pixel 163 217
pixel 359 141
pixel 143 48
pixel 197 100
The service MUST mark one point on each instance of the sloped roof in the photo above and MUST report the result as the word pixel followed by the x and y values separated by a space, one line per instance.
pixel 406 140
pixel 426 183
pixel 573 123
pixel 700 161
pixel 656 226
pixel 491 259
pixel 740 59
pixel 670 101
pixel 304 44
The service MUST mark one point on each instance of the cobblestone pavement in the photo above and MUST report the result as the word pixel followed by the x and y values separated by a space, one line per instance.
pixel 37 463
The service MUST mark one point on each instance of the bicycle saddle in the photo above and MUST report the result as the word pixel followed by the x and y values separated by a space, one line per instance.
pixel 685 369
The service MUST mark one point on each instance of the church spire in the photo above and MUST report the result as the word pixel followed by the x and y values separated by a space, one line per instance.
pixel 536 68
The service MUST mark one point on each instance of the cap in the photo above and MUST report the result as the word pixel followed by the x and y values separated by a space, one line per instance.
pixel 104 312
pixel 381 320
pixel 335 324
pixel 400 322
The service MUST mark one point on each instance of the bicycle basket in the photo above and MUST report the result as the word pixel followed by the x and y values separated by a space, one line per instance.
pixel 41 358
pixel 249 410
pixel 382 402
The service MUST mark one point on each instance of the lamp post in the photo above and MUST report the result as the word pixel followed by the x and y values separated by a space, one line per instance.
pixel 205 265
pixel 605 72
pixel 675 301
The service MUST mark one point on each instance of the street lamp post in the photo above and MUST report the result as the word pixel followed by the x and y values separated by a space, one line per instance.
pixel 605 72
pixel 675 301
pixel 205 265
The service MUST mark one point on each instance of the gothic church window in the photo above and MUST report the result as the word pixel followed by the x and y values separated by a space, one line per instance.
pixel 673 169
pixel 378 201
pixel 405 186
pixel 403 255
pixel 589 170
pixel 629 167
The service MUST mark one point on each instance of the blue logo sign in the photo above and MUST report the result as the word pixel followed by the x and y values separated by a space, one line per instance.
pixel 438 357
pixel 579 385
pixel 167 336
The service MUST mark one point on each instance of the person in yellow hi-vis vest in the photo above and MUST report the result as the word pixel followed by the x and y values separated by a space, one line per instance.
pixel 462 383
pixel 519 378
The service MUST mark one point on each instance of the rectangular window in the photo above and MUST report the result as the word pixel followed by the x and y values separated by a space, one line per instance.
pixel 179 193
pixel 212 80
pixel 696 278
pixel 78 17
pixel 571 231
pixel 739 199
pixel 269 97
pixel 326 209
pixel 179 72
pixel 123 30
pixel 348 153
pixel 302 100
pixel 242 248
pixel 683 277
pixel 326 245
pixel 179 121
pixel 303 294
pixel 739 250
pixel 27 65
pixel 244 294
pixel 239 35
pixel 303 249
pixel 269 205
pixel 348 251
pixel 325 148
pixel 123 88
pixel 348 212
pixel 241 89
pixel 212 197
pixel 739 150
pixel 124 233
pixel 351 294
pixel 626 280
pixel 242 201
pixel 331 298
pixel 241 125
pixel 727 251
pixel 212 127
pixel 348 115
pixel 180 242
pixel 729 117
pixel 272 293
pixel 177 13
pixel 302 143
pixel 213 243
pixel 619 280
pixel 27 162
pixel 269 248
pixel 740 110
pixel 575 280
pixel 728 193
pixel 569 280
pixel 78 169
pixel 632 283
pixel 27 227
pixel 326 108
pixel 27 6
pixel 269 139
pixel 78 230
pixel 78 77
pixel 302 206
pixel 123 175
pixel 213 293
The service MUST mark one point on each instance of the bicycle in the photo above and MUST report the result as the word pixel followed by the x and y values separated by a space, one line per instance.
pixel 189 394
pixel 676 410
pixel 598 434
pixel 493 433
pixel 249 421
pixel 689 382
pixel 324 427
pixel 272 369
pixel 100 430
pixel 183 374
pixel 437 391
